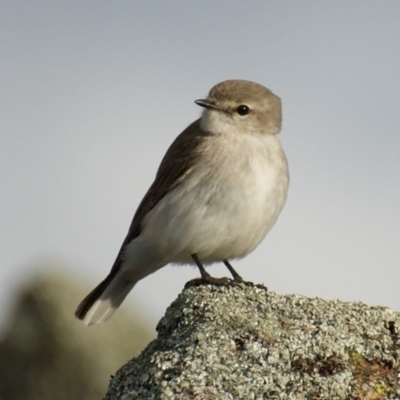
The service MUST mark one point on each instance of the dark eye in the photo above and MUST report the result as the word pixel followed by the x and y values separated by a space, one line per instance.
pixel 243 110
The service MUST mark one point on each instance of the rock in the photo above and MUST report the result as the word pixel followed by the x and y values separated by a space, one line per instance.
pixel 45 353
pixel 242 342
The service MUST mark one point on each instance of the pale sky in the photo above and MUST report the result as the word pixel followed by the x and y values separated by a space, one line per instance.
pixel 93 92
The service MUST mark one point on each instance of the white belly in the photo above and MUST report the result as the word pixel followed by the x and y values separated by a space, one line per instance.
pixel 226 207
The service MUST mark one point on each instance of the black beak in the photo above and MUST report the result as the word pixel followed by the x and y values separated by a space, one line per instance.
pixel 206 104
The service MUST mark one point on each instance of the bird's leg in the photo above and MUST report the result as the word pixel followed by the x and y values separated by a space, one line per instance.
pixel 204 274
pixel 235 275
pixel 206 278
pixel 238 279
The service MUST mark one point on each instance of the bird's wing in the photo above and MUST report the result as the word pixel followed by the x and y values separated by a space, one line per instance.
pixel 176 165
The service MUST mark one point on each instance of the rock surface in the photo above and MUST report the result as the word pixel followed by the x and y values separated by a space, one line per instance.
pixel 241 342
pixel 45 353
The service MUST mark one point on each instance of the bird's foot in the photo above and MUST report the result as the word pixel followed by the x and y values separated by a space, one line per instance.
pixel 238 279
pixel 207 279
pixel 257 285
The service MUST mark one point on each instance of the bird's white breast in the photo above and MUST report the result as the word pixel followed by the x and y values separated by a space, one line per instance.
pixel 227 205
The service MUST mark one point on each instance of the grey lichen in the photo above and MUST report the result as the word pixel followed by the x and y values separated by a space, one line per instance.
pixel 242 342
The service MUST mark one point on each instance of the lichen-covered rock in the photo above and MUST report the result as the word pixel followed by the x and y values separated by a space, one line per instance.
pixel 241 342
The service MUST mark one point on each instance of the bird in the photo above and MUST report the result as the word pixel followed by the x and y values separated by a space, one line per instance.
pixel 217 193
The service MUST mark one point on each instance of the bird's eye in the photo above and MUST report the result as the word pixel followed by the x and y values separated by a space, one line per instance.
pixel 243 110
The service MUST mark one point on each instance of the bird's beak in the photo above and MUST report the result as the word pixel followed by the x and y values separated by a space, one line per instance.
pixel 207 104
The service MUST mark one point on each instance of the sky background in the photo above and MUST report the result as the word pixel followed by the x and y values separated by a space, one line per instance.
pixel 93 92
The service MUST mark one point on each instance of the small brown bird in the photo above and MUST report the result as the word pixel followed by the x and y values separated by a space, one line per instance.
pixel 217 193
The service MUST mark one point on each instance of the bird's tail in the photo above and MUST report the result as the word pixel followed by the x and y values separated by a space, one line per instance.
pixel 101 303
